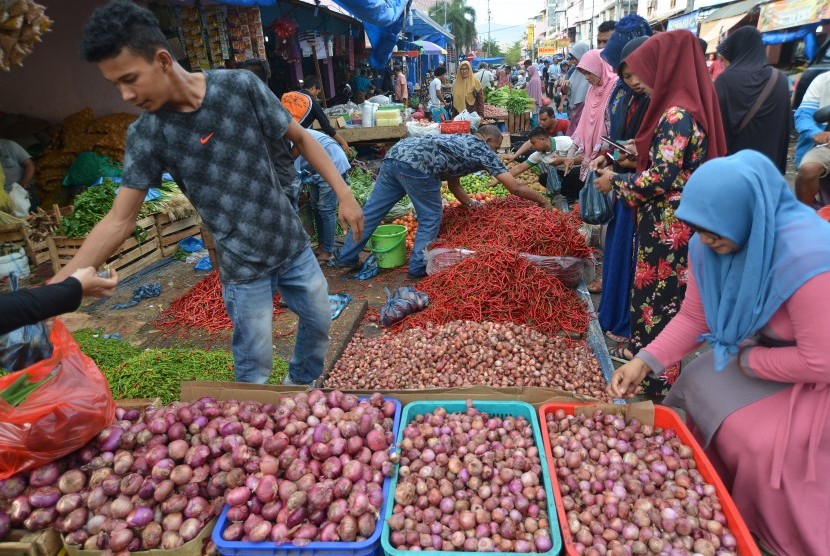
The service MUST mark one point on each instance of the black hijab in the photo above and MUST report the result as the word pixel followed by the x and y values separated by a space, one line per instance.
pixel 629 127
pixel 738 88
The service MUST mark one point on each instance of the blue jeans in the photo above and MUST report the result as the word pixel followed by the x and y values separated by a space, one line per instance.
pixel 324 207
pixel 395 180
pixel 250 307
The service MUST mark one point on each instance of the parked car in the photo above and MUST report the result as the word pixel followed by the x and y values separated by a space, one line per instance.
pixel 815 67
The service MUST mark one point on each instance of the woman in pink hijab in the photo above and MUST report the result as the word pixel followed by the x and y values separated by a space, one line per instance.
pixel 592 125
pixel 533 88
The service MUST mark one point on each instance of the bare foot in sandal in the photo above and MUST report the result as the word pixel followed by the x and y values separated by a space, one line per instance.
pixel 621 353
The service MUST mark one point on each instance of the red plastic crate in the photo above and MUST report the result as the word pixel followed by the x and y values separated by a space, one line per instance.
pixel 450 127
pixel 667 419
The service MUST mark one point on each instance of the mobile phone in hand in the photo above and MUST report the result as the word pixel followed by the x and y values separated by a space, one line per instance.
pixel 617 145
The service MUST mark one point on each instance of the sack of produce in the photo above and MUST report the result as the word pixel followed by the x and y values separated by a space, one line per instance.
pixel 53 407
pixel 594 206
pixel 568 270
pixel 400 303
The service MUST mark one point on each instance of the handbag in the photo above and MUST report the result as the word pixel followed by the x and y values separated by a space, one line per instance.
pixel 594 206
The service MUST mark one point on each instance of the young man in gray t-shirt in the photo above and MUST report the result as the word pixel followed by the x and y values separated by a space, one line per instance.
pixel 217 133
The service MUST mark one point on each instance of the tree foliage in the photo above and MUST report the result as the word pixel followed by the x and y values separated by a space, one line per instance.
pixel 514 53
pixel 491 47
pixel 460 18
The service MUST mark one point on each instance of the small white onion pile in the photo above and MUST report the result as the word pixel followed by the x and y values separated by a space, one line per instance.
pixel 630 488
pixel 153 479
pixel 469 482
pixel 464 353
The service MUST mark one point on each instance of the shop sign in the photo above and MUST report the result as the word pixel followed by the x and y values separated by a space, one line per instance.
pixel 547 50
pixel 791 13
pixel 563 43
pixel 685 21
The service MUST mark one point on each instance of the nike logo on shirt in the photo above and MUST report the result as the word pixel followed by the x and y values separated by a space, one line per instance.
pixel 204 140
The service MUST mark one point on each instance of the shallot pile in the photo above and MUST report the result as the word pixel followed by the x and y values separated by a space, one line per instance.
pixel 463 353
pixel 469 482
pixel 306 468
pixel 630 488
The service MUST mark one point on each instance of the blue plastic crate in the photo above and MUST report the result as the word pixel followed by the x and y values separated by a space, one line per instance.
pixel 497 409
pixel 369 547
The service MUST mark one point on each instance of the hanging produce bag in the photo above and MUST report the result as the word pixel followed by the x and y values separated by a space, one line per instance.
pixel 594 206
pixel 68 409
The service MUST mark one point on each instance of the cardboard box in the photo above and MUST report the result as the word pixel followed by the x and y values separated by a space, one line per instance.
pixel 266 393
pixel 337 123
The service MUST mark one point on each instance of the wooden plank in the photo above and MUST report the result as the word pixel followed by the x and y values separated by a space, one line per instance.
pixel 23 543
pixel 358 134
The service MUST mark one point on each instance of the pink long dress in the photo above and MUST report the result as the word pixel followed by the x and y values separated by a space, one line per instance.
pixel 773 453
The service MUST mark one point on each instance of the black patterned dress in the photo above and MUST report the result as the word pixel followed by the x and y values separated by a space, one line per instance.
pixel 677 149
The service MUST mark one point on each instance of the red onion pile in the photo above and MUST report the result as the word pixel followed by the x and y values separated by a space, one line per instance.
pixel 463 353
pixel 324 479
pixel 469 482
pixel 153 479
pixel 630 488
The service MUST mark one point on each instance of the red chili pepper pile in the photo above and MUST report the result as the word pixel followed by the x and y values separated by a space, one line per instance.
pixel 202 307
pixel 501 286
pixel 516 224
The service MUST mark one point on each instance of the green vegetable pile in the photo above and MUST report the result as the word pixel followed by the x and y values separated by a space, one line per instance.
pixel 138 373
pixel 362 184
pixel 476 183
pixel 519 102
pixel 498 97
pixel 90 206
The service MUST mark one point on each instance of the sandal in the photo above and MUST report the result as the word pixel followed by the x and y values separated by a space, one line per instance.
pixel 325 258
pixel 595 286
pixel 621 354
pixel 615 338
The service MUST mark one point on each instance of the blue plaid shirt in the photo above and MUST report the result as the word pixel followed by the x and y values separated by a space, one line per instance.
pixel 447 156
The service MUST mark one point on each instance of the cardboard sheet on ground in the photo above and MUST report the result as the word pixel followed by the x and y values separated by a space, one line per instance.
pixel 270 393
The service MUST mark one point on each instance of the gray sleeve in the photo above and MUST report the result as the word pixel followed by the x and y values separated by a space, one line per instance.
pixel 143 165
pixel 19 152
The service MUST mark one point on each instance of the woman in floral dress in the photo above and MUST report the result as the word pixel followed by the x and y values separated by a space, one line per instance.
pixel 681 129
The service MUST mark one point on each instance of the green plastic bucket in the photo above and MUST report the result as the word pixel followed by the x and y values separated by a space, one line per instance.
pixel 387 243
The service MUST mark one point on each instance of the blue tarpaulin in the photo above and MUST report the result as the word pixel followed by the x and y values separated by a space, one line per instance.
pixel 383 20
pixel 489 61
pixel 806 32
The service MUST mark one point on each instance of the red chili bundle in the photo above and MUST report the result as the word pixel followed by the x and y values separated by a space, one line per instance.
pixel 500 286
pixel 202 307
pixel 516 224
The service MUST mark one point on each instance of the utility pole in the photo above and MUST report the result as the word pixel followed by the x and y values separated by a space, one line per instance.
pixel 489 38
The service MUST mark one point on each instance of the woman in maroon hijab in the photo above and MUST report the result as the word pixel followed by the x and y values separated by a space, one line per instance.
pixel 681 129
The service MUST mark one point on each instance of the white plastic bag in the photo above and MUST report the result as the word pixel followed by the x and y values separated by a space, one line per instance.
pixel 382 100
pixel 414 129
pixel 20 200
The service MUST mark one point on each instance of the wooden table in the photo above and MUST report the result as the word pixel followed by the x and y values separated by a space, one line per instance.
pixel 372 134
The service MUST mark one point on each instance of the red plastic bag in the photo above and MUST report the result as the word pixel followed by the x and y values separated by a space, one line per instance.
pixel 61 415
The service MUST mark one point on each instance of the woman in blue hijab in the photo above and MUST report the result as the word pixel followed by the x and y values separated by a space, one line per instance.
pixel 758 297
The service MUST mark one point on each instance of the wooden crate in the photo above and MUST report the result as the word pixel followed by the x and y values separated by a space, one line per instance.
pixel 171 232
pixel 17 234
pixel 40 250
pixel 130 258
pixel 518 122
pixel 20 542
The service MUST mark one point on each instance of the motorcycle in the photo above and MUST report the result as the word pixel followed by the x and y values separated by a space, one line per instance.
pixel 342 97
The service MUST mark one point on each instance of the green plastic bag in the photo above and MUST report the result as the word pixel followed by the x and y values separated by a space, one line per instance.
pixel 89 167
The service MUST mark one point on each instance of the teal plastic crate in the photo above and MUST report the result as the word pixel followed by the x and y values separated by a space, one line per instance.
pixel 496 409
